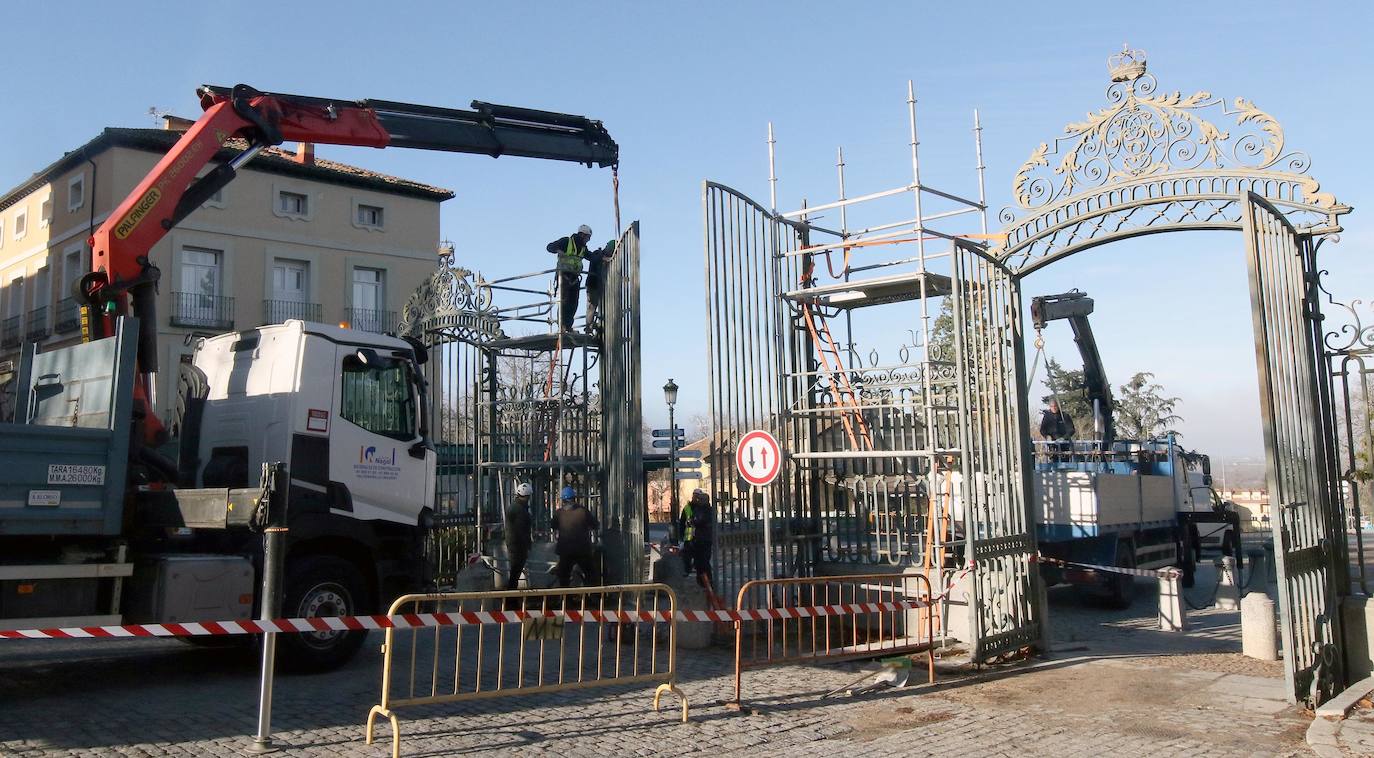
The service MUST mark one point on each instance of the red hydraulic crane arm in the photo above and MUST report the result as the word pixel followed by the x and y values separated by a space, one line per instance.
pixel 151 209
pixel 121 273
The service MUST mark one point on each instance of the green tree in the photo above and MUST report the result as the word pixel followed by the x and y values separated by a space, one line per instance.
pixel 1143 411
pixel 942 333
pixel 1067 386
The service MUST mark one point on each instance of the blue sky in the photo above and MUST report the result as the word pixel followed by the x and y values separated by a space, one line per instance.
pixel 687 90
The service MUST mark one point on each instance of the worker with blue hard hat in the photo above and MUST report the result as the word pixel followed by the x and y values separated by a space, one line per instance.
pixel 574 525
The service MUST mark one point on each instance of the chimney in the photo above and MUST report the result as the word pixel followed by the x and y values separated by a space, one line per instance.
pixel 305 154
pixel 172 123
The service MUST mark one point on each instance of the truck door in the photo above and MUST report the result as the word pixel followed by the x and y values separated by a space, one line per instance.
pixel 376 447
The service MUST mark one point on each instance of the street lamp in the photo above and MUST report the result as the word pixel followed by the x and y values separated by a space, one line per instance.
pixel 670 397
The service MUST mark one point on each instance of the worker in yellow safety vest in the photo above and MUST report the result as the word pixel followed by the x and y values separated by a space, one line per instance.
pixel 696 526
pixel 570 251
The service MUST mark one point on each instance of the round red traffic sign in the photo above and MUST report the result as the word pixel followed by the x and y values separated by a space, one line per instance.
pixel 758 458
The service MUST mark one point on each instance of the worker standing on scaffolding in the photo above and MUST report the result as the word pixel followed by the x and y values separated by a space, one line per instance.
pixel 570 251
pixel 574 525
pixel 696 525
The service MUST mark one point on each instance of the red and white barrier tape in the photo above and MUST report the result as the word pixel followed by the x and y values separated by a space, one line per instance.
pixel 1164 573
pixel 465 618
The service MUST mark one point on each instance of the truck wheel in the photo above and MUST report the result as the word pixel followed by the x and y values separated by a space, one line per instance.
pixel 1121 587
pixel 321 585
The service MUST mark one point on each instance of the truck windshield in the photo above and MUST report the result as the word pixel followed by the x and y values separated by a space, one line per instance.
pixel 379 398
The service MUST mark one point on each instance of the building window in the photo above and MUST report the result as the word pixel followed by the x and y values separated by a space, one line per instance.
pixel 21 224
pixel 45 212
pixel 76 192
pixel 2 232
pixel 370 216
pixel 293 204
pixel 12 325
pixel 369 300
pixel 290 293
pixel 67 317
pixel 200 302
pixel 378 399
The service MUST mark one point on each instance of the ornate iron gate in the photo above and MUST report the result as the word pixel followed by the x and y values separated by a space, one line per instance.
pixel 990 368
pixel 748 346
pixel 623 509
pixel 1308 535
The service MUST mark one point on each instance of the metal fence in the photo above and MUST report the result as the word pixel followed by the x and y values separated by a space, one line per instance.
pixel 830 618
pixel 195 310
pixel 507 644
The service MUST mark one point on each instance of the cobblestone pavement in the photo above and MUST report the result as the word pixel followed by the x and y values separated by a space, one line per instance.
pixel 1112 686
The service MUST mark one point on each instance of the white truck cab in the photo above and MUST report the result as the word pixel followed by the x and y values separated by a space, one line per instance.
pixel 344 410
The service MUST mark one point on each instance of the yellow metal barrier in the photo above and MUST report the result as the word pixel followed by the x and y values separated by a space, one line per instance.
pixel 830 618
pixel 476 645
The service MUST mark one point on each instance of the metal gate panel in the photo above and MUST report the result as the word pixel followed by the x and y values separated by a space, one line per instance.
pixel 1004 602
pixel 623 510
pixel 1307 523
pixel 748 342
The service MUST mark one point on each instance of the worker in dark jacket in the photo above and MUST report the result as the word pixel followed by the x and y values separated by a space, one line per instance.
pixel 597 261
pixel 519 533
pixel 574 525
pixel 570 251
pixel 696 526
pixel 1055 424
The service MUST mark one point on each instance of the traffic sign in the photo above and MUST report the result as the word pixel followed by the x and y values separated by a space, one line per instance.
pixel 758 458
pixel 665 443
pixel 689 463
pixel 688 475
pixel 675 432
pixel 688 454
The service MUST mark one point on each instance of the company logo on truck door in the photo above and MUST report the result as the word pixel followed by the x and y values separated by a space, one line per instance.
pixel 369 454
pixel 376 464
pixel 145 204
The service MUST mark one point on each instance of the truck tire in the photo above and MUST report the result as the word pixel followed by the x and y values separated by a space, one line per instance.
pixel 1186 563
pixel 1121 587
pixel 321 585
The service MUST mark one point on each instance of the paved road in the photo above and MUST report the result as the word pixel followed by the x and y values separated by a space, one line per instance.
pixel 1113 685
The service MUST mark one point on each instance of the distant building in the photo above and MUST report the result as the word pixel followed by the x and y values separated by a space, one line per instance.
pixel 292 237
pixel 1253 506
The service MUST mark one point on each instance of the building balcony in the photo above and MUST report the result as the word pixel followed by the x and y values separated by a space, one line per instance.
pixel 12 331
pixel 202 311
pixel 38 324
pixel 68 316
pixel 368 320
pixel 277 311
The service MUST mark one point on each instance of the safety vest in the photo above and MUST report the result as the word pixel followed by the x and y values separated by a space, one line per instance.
pixel 689 531
pixel 570 260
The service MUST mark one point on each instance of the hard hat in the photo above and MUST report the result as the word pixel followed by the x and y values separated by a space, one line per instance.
pixel 523 489
pixel 567 494
pixel 584 229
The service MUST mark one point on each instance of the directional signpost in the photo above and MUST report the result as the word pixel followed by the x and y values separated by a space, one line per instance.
pixel 758 458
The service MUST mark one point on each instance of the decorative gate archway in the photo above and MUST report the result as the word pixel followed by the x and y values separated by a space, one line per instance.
pixel 1154 162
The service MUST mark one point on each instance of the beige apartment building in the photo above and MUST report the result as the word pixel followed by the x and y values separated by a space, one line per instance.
pixel 292 237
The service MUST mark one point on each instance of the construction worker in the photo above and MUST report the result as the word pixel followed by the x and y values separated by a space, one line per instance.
pixel 1055 424
pixel 574 525
pixel 596 279
pixel 519 533
pixel 696 524
pixel 570 251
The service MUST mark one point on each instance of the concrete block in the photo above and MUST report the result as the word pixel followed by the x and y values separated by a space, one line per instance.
pixel 1171 613
pixel 1259 635
pixel 1357 617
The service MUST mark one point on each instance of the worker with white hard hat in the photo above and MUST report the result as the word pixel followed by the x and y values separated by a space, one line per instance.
pixel 570 251
pixel 519 533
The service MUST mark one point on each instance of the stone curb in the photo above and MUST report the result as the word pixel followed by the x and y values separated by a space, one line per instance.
pixel 1323 735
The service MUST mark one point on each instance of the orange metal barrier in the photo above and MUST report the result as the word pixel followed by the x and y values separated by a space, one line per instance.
pixel 499 644
pixel 832 618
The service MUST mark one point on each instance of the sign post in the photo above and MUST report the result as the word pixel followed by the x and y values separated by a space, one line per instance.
pixel 758 458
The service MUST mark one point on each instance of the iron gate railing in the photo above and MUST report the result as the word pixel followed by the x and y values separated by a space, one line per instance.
pixel 990 366
pixel 1309 540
